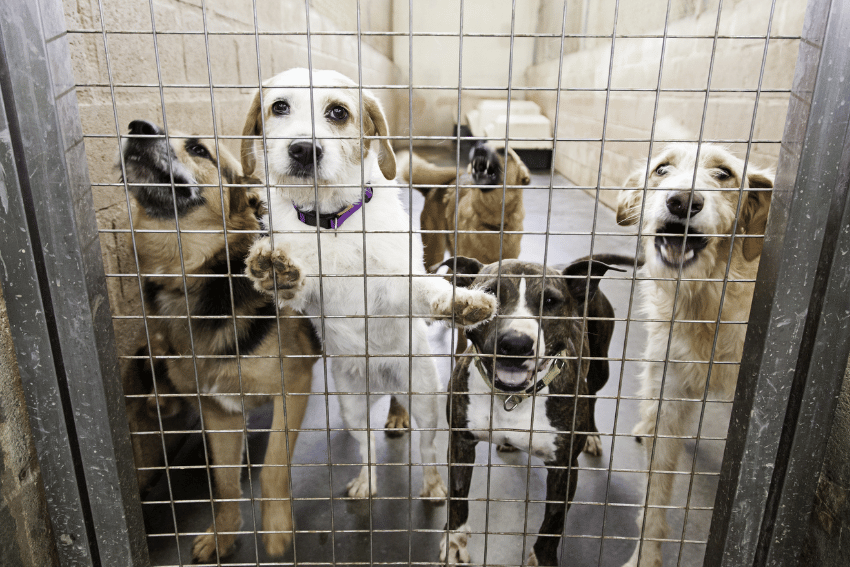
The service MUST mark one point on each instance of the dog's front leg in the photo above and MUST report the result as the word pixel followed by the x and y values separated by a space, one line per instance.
pixel 441 300
pixel 663 445
pixel 560 489
pixel 461 461
pixel 275 271
pixel 276 506
pixel 225 440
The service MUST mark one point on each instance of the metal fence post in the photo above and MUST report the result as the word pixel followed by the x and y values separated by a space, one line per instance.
pixel 799 334
pixel 56 296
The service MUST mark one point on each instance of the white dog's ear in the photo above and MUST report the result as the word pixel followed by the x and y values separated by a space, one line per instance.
pixel 628 200
pixel 754 212
pixel 252 127
pixel 375 124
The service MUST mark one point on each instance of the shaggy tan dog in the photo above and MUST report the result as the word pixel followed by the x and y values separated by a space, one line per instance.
pixel 229 364
pixel 689 232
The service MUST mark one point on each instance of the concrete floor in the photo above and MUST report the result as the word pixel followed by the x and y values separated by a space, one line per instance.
pixel 396 530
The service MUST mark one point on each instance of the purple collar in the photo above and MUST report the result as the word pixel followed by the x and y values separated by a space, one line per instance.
pixel 332 220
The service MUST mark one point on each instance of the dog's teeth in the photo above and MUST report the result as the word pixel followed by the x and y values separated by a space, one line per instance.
pixel 689 255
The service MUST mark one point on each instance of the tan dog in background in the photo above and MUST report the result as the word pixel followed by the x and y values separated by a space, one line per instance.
pixel 721 195
pixel 479 209
pixel 204 270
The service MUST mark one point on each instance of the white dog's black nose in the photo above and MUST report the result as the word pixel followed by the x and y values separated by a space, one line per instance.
pixel 515 344
pixel 301 151
pixel 677 204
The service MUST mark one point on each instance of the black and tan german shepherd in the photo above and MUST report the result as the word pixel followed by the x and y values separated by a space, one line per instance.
pixel 233 353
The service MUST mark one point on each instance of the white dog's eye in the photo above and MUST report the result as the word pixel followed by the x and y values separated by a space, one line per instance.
pixel 338 113
pixel 661 169
pixel 722 173
pixel 280 107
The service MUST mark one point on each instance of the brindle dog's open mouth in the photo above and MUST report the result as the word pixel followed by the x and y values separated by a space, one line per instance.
pixel 513 374
pixel 674 249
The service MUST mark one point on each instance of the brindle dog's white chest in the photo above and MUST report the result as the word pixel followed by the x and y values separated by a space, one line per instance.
pixel 530 433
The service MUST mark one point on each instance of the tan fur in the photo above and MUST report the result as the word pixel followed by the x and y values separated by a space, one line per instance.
pixel 697 300
pixel 251 381
pixel 479 214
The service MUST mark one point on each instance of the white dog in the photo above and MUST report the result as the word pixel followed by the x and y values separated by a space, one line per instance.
pixel 704 254
pixel 316 133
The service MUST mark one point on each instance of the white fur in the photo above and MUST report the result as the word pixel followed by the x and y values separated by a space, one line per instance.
pixel 510 428
pixel 697 300
pixel 341 302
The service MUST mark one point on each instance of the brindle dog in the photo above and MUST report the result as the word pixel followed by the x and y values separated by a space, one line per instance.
pixel 229 364
pixel 524 372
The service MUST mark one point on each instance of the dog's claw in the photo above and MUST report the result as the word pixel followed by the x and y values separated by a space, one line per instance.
pixel 361 487
pixel 272 270
pixel 204 547
pixel 593 445
pixel 433 486
pixel 469 308
pixel 398 420
pixel 453 547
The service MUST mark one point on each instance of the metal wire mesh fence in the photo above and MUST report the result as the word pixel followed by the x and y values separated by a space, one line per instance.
pixel 213 367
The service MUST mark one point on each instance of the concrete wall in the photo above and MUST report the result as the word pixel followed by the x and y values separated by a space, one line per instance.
pixel 436 63
pixel 26 538
pixel 185 76
pixel 636 62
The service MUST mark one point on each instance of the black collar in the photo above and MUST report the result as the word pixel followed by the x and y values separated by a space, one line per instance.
pixel 332 220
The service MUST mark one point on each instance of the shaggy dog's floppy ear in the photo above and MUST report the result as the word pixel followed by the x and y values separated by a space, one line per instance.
pixel 467 269
pixel 253 126
pixel 629 200
pixel 577 274
pixel 375 124
pixel 754 212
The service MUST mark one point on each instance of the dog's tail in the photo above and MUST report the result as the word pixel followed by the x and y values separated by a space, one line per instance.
pixel 614 260
pixel 424 172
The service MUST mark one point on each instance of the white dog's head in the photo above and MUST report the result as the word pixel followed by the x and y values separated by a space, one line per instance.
pixel 290 109
pixel 711 208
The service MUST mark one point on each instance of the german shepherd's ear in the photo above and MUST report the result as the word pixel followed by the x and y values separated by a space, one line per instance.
pixel 375 124
pixel 754 212
pixel 583 275
pixel 467 269
pixel 253 127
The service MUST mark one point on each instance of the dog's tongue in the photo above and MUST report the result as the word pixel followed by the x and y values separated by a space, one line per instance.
pixel 511 377
pixel 673 249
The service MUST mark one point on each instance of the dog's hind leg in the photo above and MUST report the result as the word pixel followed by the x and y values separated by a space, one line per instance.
pixel 425 410
pixel 225 439
pixel 560 489
pixel 354 409
pixel 276 503
pixel 461 459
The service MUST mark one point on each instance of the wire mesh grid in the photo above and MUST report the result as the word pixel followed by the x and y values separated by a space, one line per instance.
pixel 182 453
